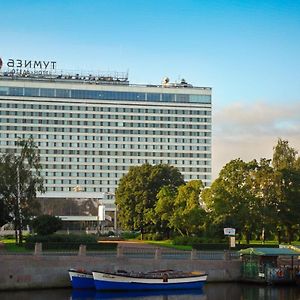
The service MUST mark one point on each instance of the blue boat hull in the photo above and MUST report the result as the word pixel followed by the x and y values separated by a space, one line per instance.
pixel 131 286
pixel 81 279
pixel 82 283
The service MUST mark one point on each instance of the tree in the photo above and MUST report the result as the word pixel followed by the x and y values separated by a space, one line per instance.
pixel 164 209
pixel 257 197
pixel 188 215
pixel 231 200
pixel 284 156
pixel 46 224
pixel 5 216
pixel 286 166
pixel 136 194
pixel 20 180
pixel 264 186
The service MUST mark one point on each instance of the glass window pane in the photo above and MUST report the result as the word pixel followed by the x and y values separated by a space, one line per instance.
pixel 200 98
pixel 31 92
pixel 47 92
pixel 4 90
pixel 182 98
pixel 15 91
pixel 168 97
pixel 62 93
pixel 153 97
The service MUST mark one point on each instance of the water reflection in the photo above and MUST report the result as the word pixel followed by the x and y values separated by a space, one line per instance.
pixel 211 291
pixel 238 291
pixel 153 295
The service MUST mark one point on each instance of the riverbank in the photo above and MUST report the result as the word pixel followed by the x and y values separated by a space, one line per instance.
pixel 51 271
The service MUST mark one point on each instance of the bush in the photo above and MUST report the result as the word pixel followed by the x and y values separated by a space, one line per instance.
pixel 198 243
pixel 130 234
pixel 46 224
pixel 67 242
pixel 153 236
pixel 187 240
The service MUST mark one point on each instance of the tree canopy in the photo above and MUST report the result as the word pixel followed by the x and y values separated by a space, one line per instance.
pixel 20 179
pixel 46 224
pixel 258 197
pixel 137 191
pixel 286 166
pixel 188 214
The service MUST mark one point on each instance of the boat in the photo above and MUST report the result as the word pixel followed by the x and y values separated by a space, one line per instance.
pixel 155 280
pixel 81 279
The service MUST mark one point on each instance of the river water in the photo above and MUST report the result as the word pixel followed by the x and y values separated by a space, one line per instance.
pixel 211 291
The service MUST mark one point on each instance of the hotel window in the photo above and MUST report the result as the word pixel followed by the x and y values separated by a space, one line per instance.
pixel 15 91
pixel 62 93
pixel 31 92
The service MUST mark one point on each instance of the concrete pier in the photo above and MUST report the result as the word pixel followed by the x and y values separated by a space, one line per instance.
pixel 51 271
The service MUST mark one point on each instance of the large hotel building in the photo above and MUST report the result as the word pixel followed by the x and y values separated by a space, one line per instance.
pixel 91 129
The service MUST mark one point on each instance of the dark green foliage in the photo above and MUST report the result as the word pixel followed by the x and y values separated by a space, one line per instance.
pixel 46 224
pixel 187 240
pixel 259 199
pixel 130 234
pixel 4 212
pixel 20 179
pixel 136 195
pixel 199 243
pixel 225 246
pixel 287 169
pixel 188 216
pixel 154 236
pixel 68 242
pixel 61 238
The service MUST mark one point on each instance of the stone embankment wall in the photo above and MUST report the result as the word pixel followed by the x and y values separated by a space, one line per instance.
pixel 49 271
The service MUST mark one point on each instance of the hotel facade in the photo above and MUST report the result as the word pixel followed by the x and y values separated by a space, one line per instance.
pixel 91 129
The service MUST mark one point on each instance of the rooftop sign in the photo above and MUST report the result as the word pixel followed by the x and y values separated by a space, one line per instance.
pixel 28 66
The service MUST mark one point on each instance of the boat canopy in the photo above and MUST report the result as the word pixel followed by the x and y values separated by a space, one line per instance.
pixel 269 252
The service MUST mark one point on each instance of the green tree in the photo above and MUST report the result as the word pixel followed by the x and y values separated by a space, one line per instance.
pixel 284 156
pixel 188 214
pixel 46 224
pixel 5 216
pixel 20 180
pixel 165 208
pixel 136 194
pixel 231 200
pixel 286 166
pixel 257 197
pixel 264 186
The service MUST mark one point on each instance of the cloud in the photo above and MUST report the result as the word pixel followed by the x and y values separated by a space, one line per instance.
pixel 251 131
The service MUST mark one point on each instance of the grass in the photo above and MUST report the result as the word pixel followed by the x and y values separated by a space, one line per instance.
pixel 11 246
pixel 257 242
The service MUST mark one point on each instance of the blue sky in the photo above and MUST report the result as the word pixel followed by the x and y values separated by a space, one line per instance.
pixel 247 51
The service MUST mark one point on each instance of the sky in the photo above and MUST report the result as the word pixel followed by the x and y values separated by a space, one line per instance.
pixel 247 51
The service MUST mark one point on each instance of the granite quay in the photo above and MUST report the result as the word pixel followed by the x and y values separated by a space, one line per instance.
pixel 42 269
